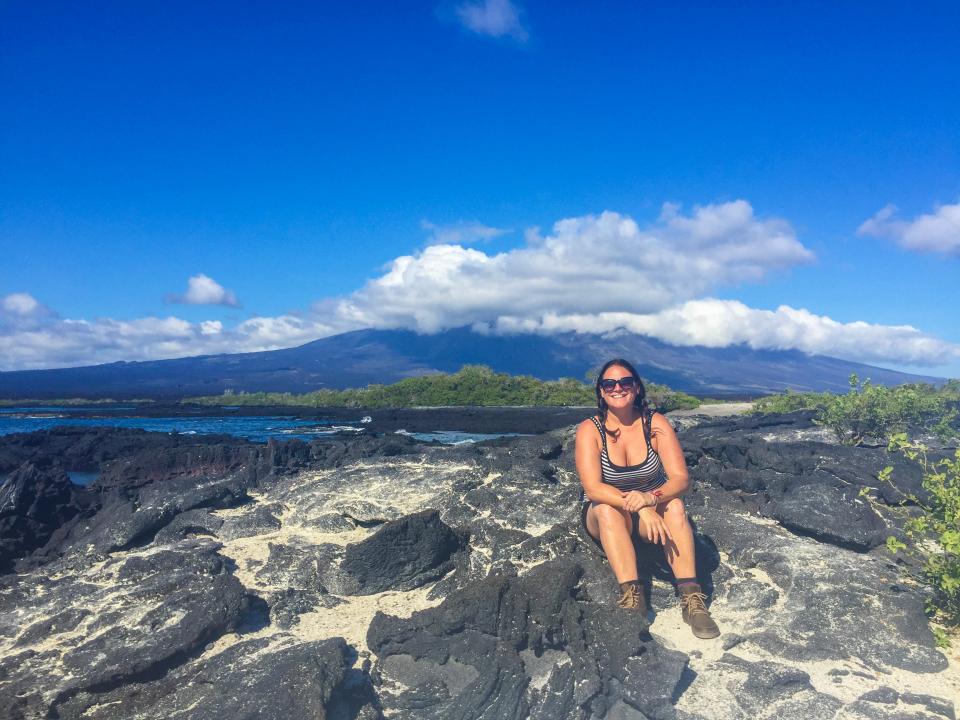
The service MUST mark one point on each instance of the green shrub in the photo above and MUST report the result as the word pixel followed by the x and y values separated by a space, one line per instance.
pixel 933 536
pixel 664 399
pixel 472 385
pixel 878 412
pixel 789 401
pixel 874 412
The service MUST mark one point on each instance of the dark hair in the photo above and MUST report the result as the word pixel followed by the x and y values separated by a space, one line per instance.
pixel 639 402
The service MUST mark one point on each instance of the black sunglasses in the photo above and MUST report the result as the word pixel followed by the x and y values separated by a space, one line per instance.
pixel 627 383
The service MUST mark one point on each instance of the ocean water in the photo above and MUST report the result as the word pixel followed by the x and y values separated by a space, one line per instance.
pixel 256 429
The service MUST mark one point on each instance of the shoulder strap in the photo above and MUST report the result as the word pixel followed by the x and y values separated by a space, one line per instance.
pixel 648 427
pixel 603 434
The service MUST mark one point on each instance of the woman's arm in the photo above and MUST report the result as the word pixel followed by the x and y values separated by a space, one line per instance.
pixel 665 442
pixel 588 467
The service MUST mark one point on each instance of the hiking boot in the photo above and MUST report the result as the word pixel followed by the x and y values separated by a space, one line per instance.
pixel 632 599
pixel 693 607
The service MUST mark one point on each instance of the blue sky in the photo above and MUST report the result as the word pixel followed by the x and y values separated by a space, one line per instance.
pixel 182 178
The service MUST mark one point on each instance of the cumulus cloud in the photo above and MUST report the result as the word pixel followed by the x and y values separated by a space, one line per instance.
pixel 461 233
pixel 59 342
pixel 22 311
pixel 204 290
pixel 592 274
pixel 589 264
pixel 937 232
pixel 20 304
pixel 720 323
pixel 496 18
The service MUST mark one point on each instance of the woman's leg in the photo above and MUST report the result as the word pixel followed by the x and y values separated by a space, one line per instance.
pixel 612 526
pixel 680 552
pixel 681 557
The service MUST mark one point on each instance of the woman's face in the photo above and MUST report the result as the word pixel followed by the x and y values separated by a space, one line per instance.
pixel 619 396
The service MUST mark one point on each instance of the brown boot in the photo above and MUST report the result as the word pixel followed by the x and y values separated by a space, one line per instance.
pixel 631 597
pixel 693 606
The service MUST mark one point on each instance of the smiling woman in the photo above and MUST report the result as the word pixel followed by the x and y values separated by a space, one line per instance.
pixel 633 474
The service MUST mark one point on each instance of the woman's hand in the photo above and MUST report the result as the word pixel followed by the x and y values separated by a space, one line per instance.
pixel 654 527
pixel 635 500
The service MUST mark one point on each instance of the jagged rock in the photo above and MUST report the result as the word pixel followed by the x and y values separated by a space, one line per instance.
pixel 836 516
pixel 249 679
pixel 85 448
pixel 191 522
pixel 810 486
pixel 480 653
pixel 132 464
pixel 291 577
pixel 263 519
pixel 770 690
pixel 34 505
pixel 142 616
pixel 135 616
pixel 832 604
pixel 124 523
pixel 401 555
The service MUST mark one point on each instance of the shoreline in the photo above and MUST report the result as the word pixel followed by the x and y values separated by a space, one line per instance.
pixel 472 419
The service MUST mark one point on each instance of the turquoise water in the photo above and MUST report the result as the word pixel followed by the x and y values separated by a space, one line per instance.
pixel 78 477
pixel 455 437
pixel 256 429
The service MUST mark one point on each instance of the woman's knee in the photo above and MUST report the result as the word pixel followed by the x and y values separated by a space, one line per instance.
pixel 675 512
pixel 609 516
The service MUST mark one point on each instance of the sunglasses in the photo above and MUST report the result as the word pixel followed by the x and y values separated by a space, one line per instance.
pixel 627 383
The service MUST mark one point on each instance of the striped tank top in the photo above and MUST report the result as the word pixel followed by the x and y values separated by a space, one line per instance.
pixel 646 476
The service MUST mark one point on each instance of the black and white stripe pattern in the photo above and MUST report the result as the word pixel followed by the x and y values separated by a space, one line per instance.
pixel 646 476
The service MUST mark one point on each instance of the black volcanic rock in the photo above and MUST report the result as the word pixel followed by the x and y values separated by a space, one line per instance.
pixel 190 522
pixel 146 481
pixel 785 468
pixel 401 555
pixel 156 611
pixel 257 675
pixel 85 448
pixel 830 514
pixel 34 505
pixel 479 652
pixel 213 586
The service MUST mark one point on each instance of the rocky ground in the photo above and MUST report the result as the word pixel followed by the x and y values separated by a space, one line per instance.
pixel 377 577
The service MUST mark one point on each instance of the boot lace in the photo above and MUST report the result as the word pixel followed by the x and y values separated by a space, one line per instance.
pixel 694 603
pixel 631 598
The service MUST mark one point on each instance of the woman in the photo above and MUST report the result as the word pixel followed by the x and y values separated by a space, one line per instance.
pixel 633 474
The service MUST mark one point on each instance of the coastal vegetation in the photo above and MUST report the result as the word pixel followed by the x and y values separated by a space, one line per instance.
pixel 931 529
pixel 931 523
pixel 870 412
pixel 471 385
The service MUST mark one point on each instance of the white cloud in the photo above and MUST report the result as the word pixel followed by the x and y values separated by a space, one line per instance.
pixel 720 323
pixel 204 290
pixel 461 233
pixel 61 342
pixel 497 18
pixel 19 304
pixel 937 232
pixel 591 274
pixel 589 264
pixel 22 311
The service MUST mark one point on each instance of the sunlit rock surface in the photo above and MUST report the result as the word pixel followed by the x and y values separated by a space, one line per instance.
pixel 374 577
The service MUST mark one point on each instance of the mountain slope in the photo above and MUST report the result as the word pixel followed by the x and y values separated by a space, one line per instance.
pixel 358 358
